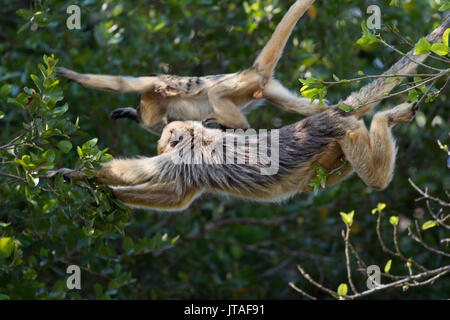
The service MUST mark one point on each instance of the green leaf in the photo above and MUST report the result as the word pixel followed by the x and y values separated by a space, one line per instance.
pixel 393 220
pixel 342 289
pixel 394 3
pixel 311 93
pixel 65 146
pixel 446 35
pixel 388 265
pixel 429 224
pixel 6 247
pixel 440 49
pixel 345 108
pixel 381 206
pixel 2 115
pixel 80 152
pixel 175 239
pixel 422 47
pixel 347 218
pixel 90 144
pixel 127 244
pixel 336 78
pixel 98 289
pixel 5 90
pixel 390 79
pixel 36 81
pixel 445 6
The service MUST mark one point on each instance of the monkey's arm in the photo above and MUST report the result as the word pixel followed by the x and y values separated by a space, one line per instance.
pixel 163 196
pixel 130 172
pixel 114 83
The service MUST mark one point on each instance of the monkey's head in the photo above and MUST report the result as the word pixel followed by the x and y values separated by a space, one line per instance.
pixel 185 134
pixel 175 133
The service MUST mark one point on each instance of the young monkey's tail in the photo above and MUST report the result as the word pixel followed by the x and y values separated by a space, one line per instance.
pixel 269 56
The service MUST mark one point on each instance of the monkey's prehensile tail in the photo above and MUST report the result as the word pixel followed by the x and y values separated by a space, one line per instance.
pixel 269 56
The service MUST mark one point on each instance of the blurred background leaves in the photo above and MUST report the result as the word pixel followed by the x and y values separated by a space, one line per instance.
pixel 195 254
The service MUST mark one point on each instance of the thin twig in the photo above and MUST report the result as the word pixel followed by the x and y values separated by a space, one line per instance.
pixel 415 238
pixel 302 292
pixel 407 56
pixel 427 196
pixel 347 260
pixel 392 253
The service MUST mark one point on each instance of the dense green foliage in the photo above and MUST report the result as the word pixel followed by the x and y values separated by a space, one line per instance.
pixel 206 251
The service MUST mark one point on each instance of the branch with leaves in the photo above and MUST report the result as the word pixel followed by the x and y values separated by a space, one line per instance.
pixel 416 273
pixel 434 45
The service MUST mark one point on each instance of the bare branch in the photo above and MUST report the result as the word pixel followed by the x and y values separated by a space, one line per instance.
pixel 301 291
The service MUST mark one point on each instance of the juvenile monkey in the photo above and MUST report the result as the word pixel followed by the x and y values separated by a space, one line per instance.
pixel 165 183
pixel 216 99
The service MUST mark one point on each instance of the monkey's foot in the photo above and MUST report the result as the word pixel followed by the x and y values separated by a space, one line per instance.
pixel 129 113
pixel 402 113
pixel 212 123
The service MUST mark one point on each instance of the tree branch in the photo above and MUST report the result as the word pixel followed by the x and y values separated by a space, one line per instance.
pixel 377 89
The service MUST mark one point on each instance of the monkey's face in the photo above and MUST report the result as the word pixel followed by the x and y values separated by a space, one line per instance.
pixel 173 134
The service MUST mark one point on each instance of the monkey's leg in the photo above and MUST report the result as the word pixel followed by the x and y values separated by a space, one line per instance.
pixel 131 113
pixel 152 110
pixel 225 111
pixel 276 93
pixel 157 128
pixel 156 196
pixel 372 154
pixel 114 83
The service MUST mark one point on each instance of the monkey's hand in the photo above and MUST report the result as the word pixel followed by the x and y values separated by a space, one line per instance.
pixel 259 94
pixel 68 174
pixel 129 113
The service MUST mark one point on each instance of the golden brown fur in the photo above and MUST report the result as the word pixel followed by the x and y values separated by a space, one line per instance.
pixel 215 99
pixel 162 183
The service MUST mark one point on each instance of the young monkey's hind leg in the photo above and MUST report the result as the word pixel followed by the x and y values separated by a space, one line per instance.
pixel 372 154
pixel 150 113
pixel 225 112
